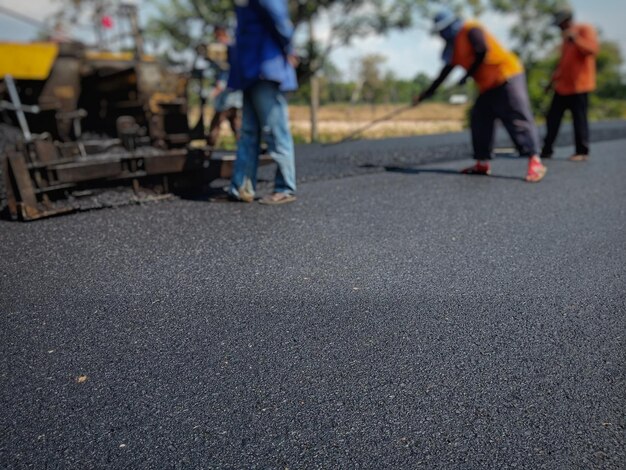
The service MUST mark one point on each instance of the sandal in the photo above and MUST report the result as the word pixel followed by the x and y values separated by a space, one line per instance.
pixel 277 198
pixel 536 171
pixel 478 169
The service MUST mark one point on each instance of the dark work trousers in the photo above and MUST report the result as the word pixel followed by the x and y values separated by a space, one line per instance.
pixel 510 104
pixel 234 118
pixel 578 105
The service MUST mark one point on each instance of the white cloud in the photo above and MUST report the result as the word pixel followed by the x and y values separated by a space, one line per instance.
pixel 36 9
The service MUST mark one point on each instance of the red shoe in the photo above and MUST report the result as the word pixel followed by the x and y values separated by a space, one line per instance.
pixel 536 170
pixel 478 168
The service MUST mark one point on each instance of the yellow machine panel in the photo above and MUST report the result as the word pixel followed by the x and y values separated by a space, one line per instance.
pixel 109 56
pixel 27 61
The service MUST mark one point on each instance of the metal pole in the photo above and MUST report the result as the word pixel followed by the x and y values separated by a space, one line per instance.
pixel 386 117
pixel 19 111
pixel 315 105
pixel 131 12
pixel 315 86
pixel 97 18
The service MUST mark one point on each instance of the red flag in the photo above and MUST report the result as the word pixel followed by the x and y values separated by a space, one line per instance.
pixel 107 22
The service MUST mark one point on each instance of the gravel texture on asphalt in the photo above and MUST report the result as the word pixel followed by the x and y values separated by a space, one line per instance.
pixel 411 318
pixel 324 162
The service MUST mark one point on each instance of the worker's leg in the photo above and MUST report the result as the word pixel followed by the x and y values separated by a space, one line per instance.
pixel 579 108
pixel 271 106
pixel 234 119
pixel 482 121
pixel 553 124
pixel 517 117
pixel 243 182
pixel 513 110
pixel 197 132
pixel 215 127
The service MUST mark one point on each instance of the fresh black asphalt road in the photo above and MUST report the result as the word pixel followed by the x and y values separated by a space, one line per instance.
pixel 408 318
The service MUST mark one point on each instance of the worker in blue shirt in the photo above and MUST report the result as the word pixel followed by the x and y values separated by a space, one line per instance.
pixel 262 65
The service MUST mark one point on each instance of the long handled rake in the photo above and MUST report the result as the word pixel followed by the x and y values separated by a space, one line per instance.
pixel 386 117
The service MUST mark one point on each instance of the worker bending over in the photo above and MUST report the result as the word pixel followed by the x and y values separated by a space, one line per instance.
pixel 503 93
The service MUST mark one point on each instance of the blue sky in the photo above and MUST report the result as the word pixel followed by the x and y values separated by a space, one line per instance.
pixel 408 52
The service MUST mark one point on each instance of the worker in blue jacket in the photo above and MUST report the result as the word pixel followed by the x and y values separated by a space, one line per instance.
pixel 262 65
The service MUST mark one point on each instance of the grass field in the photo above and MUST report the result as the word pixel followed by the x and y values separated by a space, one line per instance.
pixel 338 120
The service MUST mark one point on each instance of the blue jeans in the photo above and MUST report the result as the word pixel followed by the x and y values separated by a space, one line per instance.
pixel 265 117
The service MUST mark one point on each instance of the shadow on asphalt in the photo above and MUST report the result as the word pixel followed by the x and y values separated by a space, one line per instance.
pixel 216 191
pixel 443 171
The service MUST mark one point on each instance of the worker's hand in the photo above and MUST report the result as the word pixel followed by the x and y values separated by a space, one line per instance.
pixel 294 60
pixel 548 87
pixel 417 99
pixel 570 35
pixel 216 91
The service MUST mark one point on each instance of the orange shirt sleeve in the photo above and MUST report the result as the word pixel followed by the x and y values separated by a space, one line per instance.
pixel 586 40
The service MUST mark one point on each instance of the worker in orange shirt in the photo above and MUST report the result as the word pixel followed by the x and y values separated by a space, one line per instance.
pixel 573 80
pixel 503 92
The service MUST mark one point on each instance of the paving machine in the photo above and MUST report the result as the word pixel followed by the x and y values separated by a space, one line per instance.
pixel 92 119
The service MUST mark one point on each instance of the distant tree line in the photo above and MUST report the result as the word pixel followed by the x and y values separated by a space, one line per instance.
pixel 375 85
pixel 179 25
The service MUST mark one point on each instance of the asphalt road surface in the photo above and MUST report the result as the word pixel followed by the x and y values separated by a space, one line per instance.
pixel 410 317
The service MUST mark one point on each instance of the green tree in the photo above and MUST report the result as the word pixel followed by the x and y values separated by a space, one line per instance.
pixel 184 23
pixel 608 101
pixel 532 30
pixel 370 76
pixel 611 81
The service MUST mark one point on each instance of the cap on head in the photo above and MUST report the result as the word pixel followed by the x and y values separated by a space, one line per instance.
pixel 442 20
pixel 562 15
